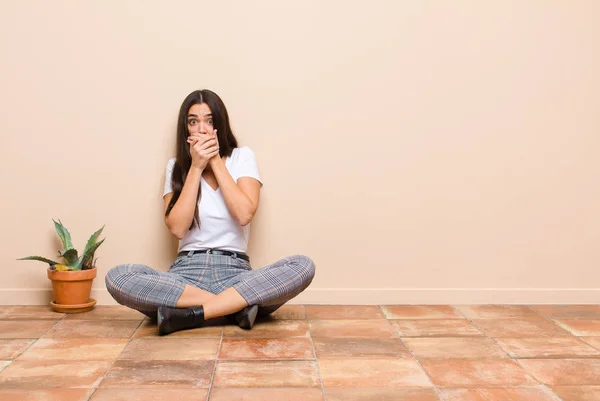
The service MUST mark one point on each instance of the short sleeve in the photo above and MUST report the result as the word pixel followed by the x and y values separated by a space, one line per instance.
pixel 168 175
pixel 247 166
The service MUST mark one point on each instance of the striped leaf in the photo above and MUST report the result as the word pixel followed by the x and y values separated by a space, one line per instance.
pixel 64 234
pixel 88 256
pixel 70 256
pixel 41 259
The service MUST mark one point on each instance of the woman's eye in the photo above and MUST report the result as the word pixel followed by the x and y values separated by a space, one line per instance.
pixel 192 122
pixel 210 121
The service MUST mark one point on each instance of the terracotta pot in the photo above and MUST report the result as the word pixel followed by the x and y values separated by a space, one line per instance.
pixel 72 288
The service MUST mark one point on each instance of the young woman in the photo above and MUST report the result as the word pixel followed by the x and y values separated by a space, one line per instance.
pixel 212 191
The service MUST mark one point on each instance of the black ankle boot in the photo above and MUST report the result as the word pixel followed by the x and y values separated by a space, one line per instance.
pixel 172 319
pixel 246 317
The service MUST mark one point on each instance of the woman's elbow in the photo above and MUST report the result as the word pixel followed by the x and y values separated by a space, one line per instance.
pixel 176 231
pixel 245 219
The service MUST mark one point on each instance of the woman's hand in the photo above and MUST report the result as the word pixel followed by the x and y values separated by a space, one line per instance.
pixel 203 147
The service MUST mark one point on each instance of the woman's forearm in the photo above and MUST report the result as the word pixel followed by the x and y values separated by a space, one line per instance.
pixel 181 216
pixel 240 206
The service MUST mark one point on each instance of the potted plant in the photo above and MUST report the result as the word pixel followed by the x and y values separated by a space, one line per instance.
pixel 72 280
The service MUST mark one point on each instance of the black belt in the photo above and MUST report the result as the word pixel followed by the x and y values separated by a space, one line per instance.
pixel 240 255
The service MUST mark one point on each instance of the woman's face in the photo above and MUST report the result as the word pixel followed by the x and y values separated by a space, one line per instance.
pixel 200 120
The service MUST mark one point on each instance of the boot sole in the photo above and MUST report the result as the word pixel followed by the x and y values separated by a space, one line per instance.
pixel 247 320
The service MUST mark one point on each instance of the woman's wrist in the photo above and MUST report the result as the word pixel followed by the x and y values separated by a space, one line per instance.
pixel 215 161
pixel 195 170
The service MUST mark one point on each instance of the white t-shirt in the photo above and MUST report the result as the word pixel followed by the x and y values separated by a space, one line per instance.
pixel 218 229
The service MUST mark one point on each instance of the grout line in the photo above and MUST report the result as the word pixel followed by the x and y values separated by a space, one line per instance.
pixel 557 325
pixel 315 354
pixel 588 344
pixel 551 320
pixel 35 340
pixel 435 389
pixel 212 377
pixel 117 358
pixel 506 352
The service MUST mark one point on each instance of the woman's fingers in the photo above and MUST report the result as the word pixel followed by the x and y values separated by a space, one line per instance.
pixel 201 138
pixel 210 143
pixel 212 149
pixel 213 154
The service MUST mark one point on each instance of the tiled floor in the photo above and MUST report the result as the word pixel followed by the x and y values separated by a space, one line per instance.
pixel 306 353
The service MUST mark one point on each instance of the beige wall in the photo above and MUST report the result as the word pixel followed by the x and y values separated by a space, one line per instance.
pixel 419 151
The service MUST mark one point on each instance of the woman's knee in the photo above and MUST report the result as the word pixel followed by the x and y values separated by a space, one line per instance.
pixel 111 280
pixel 306 267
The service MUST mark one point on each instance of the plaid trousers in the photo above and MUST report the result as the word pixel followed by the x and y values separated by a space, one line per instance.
pixel 145 289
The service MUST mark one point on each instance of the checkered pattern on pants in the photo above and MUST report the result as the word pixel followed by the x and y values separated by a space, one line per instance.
pixel 145 289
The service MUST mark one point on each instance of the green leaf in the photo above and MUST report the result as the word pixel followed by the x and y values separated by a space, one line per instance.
pixel 70 256
pixel 77 264
pixel 41 259
pixel 88 256
pixel 92 240
pixel 64 234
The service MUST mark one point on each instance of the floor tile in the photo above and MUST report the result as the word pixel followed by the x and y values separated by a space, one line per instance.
pixel 457 348
pixel 516 328
pixel 93 329
pixel 420 312
pixel 166 374
pixel 495 311
pixel 267 394
pixel 580 327
pixel 97 349
pixel 568 311
pixel 266 374
pixel 289 312
pixel 380 394
pixel 374 348
pixel 343 312
pixel 29 312
pixel 149 329
pixel 149 394
pixel 266 348
pixel 365 328
pixel 106 312
pixel 58 394
pixel 360 348
pixel 593 341
pixel 435 328
pixel 562 347
pixel 498 394
pixel 24 328
pixel 578 393
pixel 371 373
pixel 53 374
pixel 272 329
pixel 564 372
pixel 10 349
pixel 477 373
pixel 171 349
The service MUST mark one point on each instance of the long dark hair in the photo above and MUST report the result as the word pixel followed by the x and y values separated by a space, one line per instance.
pixel 183 162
